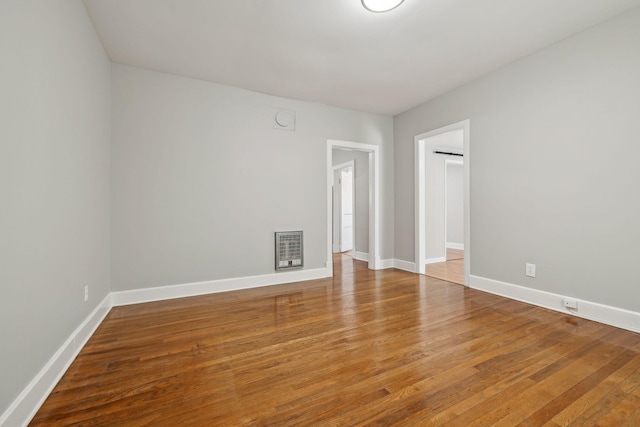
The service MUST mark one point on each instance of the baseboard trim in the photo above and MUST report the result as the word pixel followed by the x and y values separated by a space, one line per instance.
pixel 24 408
pixel 383 264
pixel 404 265
pixel 160 293
pixel 459 246
pixel 435 260
pixel 361 256
pixel 614 316
pixel 397 263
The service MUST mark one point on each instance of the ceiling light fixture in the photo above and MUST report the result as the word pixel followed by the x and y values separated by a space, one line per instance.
pixel 381 5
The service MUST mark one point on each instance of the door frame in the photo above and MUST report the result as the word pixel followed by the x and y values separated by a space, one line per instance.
pixel 351 164
pixel 374 199
pixel 420 143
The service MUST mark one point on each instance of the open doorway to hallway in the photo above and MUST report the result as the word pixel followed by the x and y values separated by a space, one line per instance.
pixel 452 268
pixel 350 231
pixel 442 203
pixel 371 223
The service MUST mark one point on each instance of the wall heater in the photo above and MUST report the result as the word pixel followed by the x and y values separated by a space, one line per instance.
pixel 289 250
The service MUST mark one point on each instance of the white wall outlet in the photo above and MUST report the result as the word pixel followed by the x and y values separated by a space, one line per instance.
pixel 86 293
pixel 570 304
pixel 530 270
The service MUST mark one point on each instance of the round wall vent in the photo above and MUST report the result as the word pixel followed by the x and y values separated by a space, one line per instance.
pixel 284 119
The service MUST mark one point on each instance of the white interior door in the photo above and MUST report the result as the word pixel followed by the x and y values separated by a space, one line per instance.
pixel 346 230
pixel 337 211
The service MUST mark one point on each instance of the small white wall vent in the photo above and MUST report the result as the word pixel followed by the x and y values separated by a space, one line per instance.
pixel 284 119
pixel 288 250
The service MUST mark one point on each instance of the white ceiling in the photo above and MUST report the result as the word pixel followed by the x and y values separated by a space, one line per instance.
pixel 334 51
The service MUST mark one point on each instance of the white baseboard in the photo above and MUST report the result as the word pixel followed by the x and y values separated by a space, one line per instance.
pixel 24 408
pixel 383 264
pixel 159 293
pixel 361 256
pixel 435 260
pixel 397 263
pixel 404 265
pixel 618 317
pixel 459 246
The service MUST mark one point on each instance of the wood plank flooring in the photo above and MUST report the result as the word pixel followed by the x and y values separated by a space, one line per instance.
pixel 364 348
pixel 454 254
pixel 452 270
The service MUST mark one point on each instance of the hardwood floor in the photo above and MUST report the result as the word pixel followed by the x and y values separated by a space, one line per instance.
pixel 454 254
pixel 364 348
pixel 451 270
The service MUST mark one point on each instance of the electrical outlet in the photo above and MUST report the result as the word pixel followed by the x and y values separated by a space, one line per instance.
pixel 570 304
pixel 86 293
pixel 530 270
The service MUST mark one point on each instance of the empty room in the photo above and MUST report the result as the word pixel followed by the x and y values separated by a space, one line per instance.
pixel 336 212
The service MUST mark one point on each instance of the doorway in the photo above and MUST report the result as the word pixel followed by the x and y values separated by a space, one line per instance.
pixel 371 153
pixel 442 235
pixel 452 268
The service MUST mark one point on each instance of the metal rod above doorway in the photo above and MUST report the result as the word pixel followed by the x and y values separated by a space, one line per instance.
pixel 448 153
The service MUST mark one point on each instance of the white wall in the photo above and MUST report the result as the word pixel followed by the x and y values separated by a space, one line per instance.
pixel 455 203
pixel 361 160
pixel 554 158
pixel 54 166
pixel 201 179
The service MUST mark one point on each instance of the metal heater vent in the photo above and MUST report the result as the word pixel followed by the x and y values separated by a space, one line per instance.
pixel 288 250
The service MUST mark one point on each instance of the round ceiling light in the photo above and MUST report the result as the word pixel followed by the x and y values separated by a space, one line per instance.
pixel 381 5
